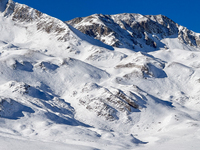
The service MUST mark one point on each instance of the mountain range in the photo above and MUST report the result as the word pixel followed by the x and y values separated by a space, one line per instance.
pixel 124 81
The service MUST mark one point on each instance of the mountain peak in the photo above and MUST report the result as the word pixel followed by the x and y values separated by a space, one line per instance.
pixel 130 30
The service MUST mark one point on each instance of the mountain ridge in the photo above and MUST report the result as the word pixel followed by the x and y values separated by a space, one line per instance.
pixel 127 30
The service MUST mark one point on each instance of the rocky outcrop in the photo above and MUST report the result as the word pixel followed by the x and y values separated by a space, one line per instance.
pixel 189 37
pixel 104 102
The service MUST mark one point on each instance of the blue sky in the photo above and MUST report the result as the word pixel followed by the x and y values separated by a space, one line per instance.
pixel 183 12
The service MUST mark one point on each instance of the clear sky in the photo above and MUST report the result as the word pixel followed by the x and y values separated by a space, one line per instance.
pixel 183 12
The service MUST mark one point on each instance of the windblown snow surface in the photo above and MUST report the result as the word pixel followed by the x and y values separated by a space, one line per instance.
pixel 61 89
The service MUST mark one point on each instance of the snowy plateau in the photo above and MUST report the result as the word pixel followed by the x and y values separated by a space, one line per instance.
pixel 102 82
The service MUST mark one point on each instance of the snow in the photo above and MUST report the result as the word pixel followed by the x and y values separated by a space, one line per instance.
pixel 79 93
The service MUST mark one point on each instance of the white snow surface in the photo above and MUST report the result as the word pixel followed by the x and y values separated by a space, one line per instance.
pixel 79 93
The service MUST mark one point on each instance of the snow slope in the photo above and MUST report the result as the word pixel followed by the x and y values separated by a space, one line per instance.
pixel 61 89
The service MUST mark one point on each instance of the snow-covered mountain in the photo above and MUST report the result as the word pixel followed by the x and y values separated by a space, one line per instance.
pixel 134 31
pixel 136 85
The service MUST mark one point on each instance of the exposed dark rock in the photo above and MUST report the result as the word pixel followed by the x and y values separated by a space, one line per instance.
pixel 106 104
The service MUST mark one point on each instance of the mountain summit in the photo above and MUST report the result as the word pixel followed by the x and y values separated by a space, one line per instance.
pixel 124 81
pixel 134 30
